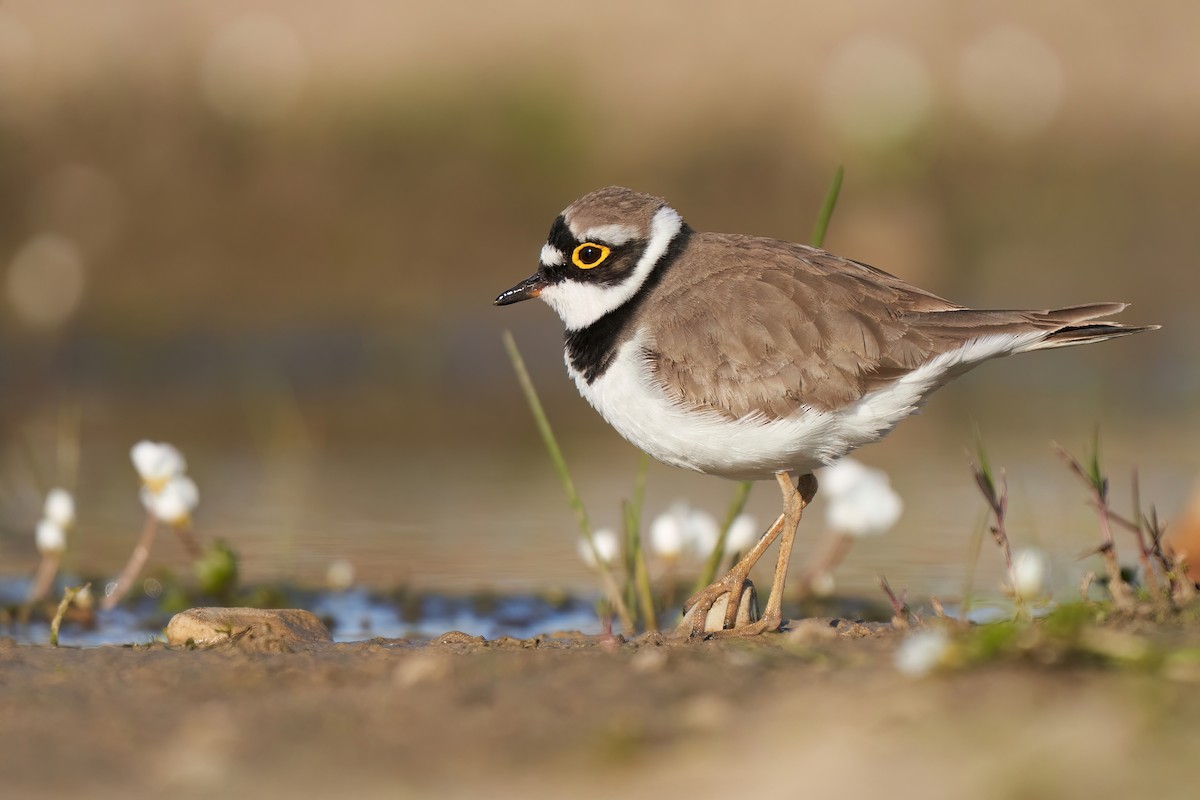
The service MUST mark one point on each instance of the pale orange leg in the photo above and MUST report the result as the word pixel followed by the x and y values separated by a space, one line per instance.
pixel 730 583
pixel 795 499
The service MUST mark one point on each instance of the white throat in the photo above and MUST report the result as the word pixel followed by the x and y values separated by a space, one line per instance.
pixel 581 304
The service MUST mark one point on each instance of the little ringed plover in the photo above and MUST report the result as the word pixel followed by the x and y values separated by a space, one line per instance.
pixel 752 358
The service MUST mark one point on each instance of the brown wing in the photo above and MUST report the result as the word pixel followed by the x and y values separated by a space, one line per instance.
pixel 745 325
pixel 769 326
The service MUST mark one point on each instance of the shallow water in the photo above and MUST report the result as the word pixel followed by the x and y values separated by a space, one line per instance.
pixel 463 500
pixel 351 615
pixel 358 614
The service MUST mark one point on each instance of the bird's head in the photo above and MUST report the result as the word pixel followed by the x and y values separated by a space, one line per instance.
pixel 599 252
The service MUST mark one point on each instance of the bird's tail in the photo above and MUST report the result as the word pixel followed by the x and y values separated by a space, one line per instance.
pixel 1067 327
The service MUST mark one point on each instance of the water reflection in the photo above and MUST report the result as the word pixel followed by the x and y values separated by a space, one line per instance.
pixel 434 518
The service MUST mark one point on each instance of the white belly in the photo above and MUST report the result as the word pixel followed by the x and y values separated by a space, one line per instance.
pixel 755 447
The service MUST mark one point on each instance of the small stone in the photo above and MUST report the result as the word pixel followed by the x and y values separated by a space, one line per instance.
pixel 651 639
pixel 248 628
pixel 510 642
pixel 458 637
pixel 565 635
pixel 853 629
pixel 807 632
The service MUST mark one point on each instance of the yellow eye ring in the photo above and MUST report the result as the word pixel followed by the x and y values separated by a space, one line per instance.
pixel 589 254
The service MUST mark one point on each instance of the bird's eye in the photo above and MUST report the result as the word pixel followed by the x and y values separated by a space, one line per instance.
pixel 589 255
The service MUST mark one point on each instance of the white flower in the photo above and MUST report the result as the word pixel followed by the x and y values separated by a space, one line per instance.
pixel 607 545
pixel 174 502
pixel 340 575
pixel 841 476
pixel 822 584
pixel 683 528
pixel 1028 574
pixel 60 508
pixel 50 537
pixel 157 462
pixel 700 531
pixel 743 533
pixel 84 597
pixel 666 536
pixel 861 499
pixel 922 652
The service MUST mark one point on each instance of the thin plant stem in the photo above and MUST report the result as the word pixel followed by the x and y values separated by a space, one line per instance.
pixel 633 521
pixel 68 598
pixel 829 553
pixel 560 466
pixel 899 606
pixel 43 579
pixel 629 553
pixel 826 214
pixel 972 565
pixel 639 582
pixel 997 500
pixel 133 567
pixel 1144 549
pixel 1097 484
pixel 669 579
pixel 645 595
pixel 736 503
pixel 187 538
pixel 639 486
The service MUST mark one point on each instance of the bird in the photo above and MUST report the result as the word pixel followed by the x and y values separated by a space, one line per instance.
pixel 754 358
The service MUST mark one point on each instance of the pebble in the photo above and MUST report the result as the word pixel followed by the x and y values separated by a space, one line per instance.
pixel 246 628
pixel 458 637
pixel 807 632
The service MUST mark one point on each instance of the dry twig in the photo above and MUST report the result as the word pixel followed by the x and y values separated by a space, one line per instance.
pixel 1097 484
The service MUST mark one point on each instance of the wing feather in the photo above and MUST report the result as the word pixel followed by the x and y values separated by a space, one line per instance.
pixel 752 326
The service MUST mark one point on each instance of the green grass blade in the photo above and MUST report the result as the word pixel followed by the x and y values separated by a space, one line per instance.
pixel 633 521
pixel 972 565
pixel 560 466
pixel 831 197
pixel 629 551
pixel 68 597
pixel 640 595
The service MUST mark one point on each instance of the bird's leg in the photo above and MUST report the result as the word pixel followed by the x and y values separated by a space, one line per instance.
pixel 795 500
pixel 730 583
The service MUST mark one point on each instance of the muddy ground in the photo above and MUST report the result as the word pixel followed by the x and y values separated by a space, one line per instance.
pixel 820 713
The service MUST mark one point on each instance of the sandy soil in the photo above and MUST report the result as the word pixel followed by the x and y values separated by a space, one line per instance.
pixel 817 713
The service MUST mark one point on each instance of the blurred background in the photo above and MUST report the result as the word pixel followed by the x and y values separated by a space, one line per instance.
pixel 270 233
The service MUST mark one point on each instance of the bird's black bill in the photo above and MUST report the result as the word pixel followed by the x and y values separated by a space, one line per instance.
pixel 530 287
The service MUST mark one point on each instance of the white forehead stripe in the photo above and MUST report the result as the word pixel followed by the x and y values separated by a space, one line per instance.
pixel 552 256
pixel 580 304
pixel 615 234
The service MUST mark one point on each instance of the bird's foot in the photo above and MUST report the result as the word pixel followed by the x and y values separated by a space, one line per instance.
pixel 765 625
pixel 709 611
